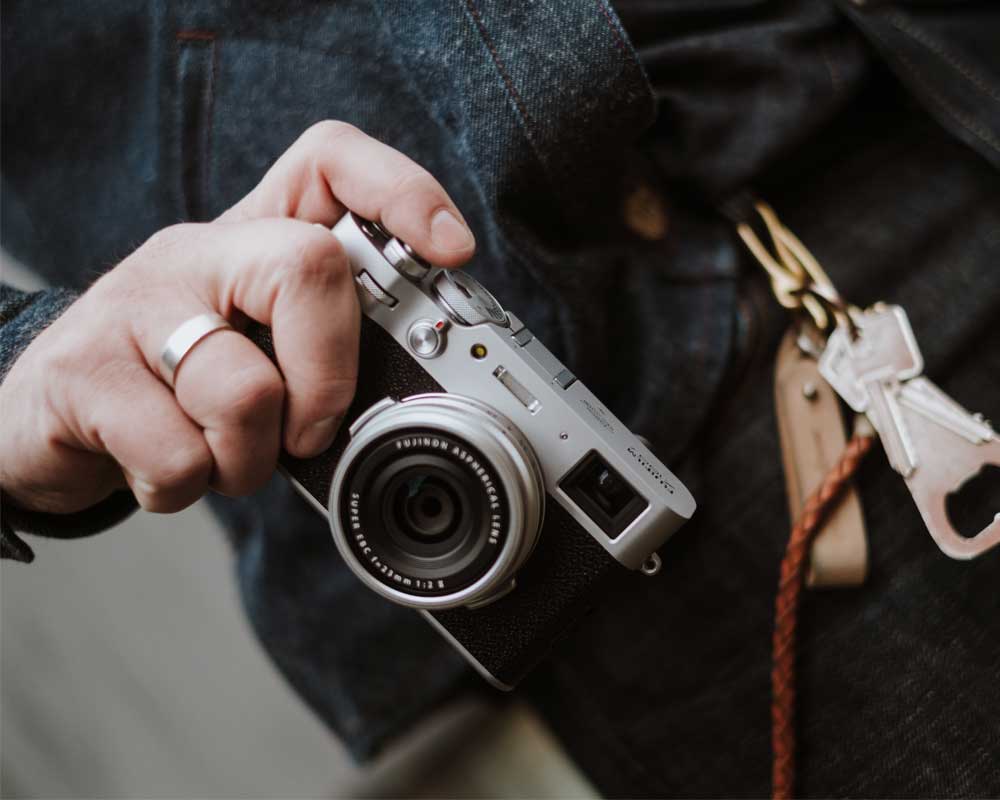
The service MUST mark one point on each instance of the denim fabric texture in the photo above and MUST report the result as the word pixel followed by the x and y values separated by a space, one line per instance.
pixel 739 85
pixel 872 128
pixel 898 678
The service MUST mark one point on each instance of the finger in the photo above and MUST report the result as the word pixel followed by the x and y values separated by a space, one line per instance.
pixel 284 273
pixel 74 478
pixel 43 465
pixel 334 165
pixel 165 459
pixel 309 300
pixel 234 392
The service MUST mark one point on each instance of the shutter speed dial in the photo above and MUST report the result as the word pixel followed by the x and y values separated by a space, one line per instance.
pixel 466 301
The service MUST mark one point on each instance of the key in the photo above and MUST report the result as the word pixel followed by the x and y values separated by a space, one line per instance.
pixel 929 438
pixel 837 368
pixel 884 414
pixel 923 396
pixel 868 373
pixel 954 446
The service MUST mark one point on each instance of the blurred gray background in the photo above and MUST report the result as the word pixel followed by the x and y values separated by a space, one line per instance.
pixel 127 669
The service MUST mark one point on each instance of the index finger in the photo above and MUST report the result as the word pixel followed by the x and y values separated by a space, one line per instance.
pixel 334 166
pixel 282 273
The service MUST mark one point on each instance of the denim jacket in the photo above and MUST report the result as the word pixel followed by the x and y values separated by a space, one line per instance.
pixel 589 156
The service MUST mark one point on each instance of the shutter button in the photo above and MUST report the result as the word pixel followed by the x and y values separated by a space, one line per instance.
pixel 406 262
pixel 426 337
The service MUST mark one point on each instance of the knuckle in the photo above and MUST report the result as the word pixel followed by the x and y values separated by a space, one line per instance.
pixel 111 376
pixel 317 259
pixel 101 315
pixel 415 180
pixel 97 381
pixel 185 466
pixel 154 263
pixel 180 479
pixel 54 358
pixel 322 255
pixel 329 131
pixel 49 429
pixel 255 394
pixel 168 239
pixel 157 502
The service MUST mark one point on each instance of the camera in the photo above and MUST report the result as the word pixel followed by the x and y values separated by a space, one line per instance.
pixel 475 479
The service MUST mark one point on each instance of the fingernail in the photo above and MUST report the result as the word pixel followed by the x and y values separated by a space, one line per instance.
pixel 139 486
pixel 318 436
pixel 448 233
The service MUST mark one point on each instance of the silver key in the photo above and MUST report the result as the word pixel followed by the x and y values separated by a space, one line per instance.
pixel 924 397
pixel 885 416
pixel 930 439
pixel 955 446
pixel 837 368
pixel 868 373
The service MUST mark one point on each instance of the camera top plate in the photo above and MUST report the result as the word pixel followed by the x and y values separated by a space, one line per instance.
pixel 498 361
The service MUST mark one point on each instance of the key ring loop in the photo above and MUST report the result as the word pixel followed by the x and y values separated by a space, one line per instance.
pixel 833 306
pixel 797 279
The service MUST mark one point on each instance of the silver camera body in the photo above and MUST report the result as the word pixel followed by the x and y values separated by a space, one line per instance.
pixel 438 499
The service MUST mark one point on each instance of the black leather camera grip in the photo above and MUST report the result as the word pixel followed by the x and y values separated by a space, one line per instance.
pixel 385 369
pixel 558 583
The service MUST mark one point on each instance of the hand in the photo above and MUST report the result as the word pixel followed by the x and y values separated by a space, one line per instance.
pixel 85 409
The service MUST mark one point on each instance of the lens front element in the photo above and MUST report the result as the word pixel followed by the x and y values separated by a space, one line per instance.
pixel 426 512
pixel 426 507
pixel 437 501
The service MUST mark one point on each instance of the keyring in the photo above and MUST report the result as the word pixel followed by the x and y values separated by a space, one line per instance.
pixel 185 337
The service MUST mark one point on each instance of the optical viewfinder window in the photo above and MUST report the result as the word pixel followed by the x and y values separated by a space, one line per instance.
pixel 603 494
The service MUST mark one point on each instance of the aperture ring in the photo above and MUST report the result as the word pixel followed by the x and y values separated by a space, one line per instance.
pixel 435 554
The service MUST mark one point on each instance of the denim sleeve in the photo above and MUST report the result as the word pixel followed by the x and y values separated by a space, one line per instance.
pixel 23 315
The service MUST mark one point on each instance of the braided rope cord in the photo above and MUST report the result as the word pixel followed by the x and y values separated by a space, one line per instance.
pixel 786 612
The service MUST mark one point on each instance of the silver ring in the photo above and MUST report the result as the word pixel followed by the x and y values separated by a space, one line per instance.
pixel 185 337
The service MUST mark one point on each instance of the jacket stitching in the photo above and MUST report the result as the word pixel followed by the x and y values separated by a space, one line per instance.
pixel 498 63
pixel 967 122
pixel 898 21
pixel 614 30
pixel 529 133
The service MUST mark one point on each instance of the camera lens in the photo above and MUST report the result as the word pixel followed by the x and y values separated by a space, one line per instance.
pixel 436 502
pixel 427 510
pixel 426 507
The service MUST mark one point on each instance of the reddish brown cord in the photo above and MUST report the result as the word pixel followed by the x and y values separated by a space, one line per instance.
pixel 786 613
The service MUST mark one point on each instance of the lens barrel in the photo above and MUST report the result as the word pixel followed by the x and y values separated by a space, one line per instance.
pixel 428 514
pixel 437 501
